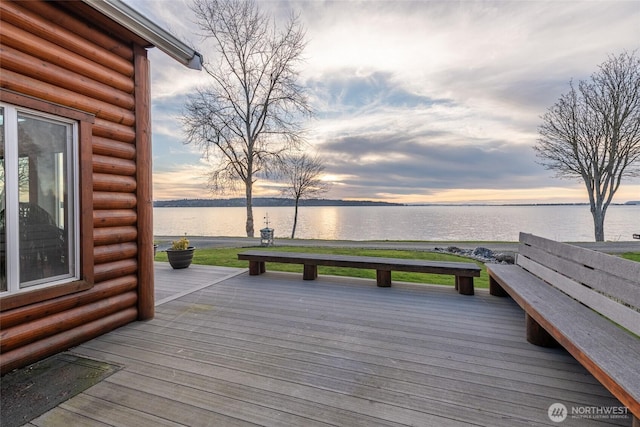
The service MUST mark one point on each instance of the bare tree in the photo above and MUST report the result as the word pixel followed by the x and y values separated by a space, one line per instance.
pixel 593 133
pixel 253 109
pixel 303 178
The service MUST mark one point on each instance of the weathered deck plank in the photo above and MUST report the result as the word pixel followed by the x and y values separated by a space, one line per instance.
pixel 108 408
pixel 367 350
pixel 171 284
pixel 62 417
pixel 273 350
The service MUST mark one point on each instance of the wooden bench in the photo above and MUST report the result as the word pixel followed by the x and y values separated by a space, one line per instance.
pixel 463 271
pixel 585 301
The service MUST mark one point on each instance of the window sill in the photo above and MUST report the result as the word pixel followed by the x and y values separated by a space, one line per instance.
pixel 25 298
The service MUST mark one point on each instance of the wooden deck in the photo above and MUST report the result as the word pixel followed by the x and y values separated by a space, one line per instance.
pixel 273 350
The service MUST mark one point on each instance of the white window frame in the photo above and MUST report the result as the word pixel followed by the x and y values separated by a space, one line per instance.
pixel 11 113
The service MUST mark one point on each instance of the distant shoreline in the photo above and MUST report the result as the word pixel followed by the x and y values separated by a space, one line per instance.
pixel 284 202
pixel 259 202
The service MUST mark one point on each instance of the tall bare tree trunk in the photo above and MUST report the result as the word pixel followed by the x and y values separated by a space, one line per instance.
pixel 295 220
pixel 598 207
pixel 249 224
pixel 598 222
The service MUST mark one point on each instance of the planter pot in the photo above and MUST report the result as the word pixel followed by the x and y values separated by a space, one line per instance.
pixel 180 258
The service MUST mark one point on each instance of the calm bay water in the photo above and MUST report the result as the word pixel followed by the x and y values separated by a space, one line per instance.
pixel 484 223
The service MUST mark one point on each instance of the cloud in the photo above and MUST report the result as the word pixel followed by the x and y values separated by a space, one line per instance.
pixel 403 166
pixel 417 100
pixel 350 90
pixel 391 141
pixel 180 182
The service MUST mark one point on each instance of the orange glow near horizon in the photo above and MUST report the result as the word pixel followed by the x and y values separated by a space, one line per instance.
pixel 192 184
pixel 575 194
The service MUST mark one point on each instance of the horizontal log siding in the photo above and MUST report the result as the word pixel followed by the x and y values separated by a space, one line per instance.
pixel 52 54
pixel 83 29
pixel 35 330
pixel 113 165
pixel 114 183
pixel 30 21
pixel 40 349
pixel 103 290
pixel 59 77
pixel 106 146
pixel 113 131
pixel 114 217
pixel 113 200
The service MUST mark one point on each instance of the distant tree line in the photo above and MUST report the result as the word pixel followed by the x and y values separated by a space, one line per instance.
pixel 264 202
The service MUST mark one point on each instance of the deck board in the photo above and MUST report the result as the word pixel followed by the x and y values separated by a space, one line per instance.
pixel 107 407
pixel 171 284
pixel 346 353
pixel 274 350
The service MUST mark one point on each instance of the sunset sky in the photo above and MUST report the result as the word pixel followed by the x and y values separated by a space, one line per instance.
pixel 416 101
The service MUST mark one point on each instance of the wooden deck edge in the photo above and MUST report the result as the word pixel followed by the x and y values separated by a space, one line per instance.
pixel 200 287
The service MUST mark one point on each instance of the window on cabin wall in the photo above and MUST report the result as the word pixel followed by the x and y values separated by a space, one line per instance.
pixel 38 200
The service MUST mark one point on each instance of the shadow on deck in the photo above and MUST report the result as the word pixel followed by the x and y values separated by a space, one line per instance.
pixel 228 349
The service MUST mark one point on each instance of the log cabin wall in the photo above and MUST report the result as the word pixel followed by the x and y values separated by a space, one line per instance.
pixel 53 55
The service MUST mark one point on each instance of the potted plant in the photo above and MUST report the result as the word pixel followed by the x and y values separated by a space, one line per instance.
pixel 180 254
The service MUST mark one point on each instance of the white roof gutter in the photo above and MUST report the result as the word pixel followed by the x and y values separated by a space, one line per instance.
pixel 135 22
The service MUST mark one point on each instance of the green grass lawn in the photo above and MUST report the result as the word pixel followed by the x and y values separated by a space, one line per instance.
pixel 228 257
pixel 633 256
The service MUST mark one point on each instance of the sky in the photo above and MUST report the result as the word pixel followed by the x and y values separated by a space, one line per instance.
pixel 415 101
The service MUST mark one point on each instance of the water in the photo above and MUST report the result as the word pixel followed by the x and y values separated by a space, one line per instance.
pixel 483 223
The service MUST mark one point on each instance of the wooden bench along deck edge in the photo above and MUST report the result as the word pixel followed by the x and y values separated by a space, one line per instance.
pixel 542 302
pixel 464 272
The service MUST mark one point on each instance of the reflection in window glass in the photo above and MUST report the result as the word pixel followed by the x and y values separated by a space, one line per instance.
pixel 3 236
pixel 23 179
pixel 38 194
pixel 43 215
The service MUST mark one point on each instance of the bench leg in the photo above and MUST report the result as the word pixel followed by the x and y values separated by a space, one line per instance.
pixel 464 285
pixel 495 289
pixel 537 335
pixel 256 268
pixel 310 272
pixel 383 278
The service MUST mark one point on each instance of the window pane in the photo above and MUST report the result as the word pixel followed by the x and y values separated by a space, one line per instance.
pixel 3 203
pixel 44 216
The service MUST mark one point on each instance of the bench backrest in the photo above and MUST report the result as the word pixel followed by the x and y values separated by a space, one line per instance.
pixel 607 284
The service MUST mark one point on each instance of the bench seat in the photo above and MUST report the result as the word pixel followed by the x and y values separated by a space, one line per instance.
pixel 463 271
pixel 614 361
pixel 547 283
